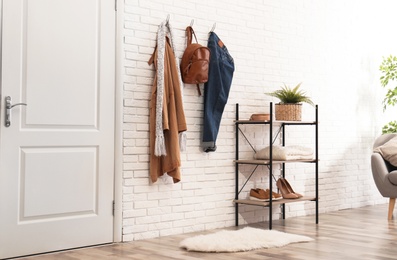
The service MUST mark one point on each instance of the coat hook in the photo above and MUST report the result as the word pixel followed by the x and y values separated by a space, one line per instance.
pixel 168 18
pixel 213 27
pixel 191 23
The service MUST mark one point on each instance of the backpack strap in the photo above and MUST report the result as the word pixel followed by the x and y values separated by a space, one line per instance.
pixel 198 90
pixel 189 33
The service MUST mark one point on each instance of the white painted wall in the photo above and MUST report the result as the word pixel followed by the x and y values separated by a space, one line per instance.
pixel 334 47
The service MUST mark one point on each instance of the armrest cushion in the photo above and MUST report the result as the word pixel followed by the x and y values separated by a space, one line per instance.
pixel 389 151
pixel 393 177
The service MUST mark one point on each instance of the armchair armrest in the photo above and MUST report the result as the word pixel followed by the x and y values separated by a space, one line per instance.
pixel 380 173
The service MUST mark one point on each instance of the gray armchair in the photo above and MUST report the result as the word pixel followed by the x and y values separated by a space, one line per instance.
pixel 385 174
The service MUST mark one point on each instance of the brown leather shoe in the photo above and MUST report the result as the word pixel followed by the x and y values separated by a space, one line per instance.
pixel 259 194
pixel 284 190
pixel 265 194
pixel 276 196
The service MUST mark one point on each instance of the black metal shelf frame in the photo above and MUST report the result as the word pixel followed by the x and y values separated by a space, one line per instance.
pixel 270 163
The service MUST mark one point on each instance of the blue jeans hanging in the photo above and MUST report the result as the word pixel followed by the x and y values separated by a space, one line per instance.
pixel 216 90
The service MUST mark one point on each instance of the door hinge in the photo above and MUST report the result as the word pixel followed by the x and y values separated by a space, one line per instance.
pixel 115 5
pixel 113 207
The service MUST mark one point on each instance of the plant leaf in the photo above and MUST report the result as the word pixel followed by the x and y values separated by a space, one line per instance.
pixel 286 95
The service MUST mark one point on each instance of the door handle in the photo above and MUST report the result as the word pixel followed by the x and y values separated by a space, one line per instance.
pixel 9 106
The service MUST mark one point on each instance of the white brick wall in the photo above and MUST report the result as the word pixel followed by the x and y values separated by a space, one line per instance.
pixel 333 47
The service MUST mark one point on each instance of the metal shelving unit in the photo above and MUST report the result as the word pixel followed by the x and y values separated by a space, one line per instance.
pixel 270 162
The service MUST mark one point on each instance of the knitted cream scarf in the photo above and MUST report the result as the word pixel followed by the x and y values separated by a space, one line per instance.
pixel 159 148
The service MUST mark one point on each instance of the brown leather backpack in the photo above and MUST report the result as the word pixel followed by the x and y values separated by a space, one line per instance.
pixel 195 61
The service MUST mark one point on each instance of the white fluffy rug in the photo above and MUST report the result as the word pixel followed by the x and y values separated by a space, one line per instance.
pixel 240 240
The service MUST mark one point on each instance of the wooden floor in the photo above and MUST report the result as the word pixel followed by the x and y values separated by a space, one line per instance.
pixel 363 233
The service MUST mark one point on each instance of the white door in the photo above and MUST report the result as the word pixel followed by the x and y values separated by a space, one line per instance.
pixel 57 154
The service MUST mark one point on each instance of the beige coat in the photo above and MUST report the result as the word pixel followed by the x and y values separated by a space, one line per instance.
pixel 174 120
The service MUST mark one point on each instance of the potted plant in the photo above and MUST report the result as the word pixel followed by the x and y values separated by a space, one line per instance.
pixel 290 106
pixel 388 68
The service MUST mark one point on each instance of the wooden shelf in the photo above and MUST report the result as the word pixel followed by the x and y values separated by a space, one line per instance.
pixel 267 162
pixel 275 123
pixel 295 122
pixel 274 202
pixel 252 121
